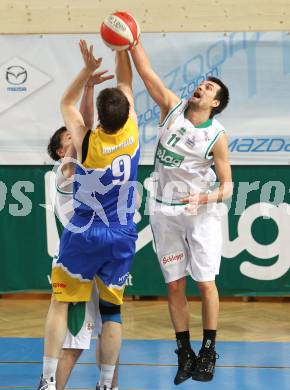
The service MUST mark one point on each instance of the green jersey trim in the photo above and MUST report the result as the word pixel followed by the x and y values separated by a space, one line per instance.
pixel 170 113
pixel 63 192
pixel 204 124
pixel 212 144
pixel 60 191
pixel 170 204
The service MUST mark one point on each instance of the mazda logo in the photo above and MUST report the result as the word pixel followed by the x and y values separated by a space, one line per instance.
pixel 16 75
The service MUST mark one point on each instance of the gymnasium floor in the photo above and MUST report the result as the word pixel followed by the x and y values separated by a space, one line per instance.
pixel 147 358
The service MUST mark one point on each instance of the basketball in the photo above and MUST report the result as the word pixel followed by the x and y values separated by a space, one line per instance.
pixel 120 31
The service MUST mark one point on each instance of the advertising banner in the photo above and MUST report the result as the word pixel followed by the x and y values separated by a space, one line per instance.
pixel 256 256
pixel 35 70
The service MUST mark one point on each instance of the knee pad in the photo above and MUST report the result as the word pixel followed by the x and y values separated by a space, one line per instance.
pixel 110 312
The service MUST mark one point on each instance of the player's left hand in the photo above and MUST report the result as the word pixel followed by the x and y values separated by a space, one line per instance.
pixel 99 78
pixel 90 61
pixel 193 201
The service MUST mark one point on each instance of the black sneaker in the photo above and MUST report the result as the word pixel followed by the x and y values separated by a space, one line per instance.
pixel 186 365
pixel 205 365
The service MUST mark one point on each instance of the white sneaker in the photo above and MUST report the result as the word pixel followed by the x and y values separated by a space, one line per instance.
pixel 46 385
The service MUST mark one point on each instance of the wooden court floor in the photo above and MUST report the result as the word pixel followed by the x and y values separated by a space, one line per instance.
pixel 24 316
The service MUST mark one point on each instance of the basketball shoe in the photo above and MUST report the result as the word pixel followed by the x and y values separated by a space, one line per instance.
pixel 205 365
pixel 46 385
pixel 104 387
pixel 186 365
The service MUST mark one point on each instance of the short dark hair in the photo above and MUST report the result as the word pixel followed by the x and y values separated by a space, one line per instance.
pixel 222 95
pixel 55 143
pixel 113 109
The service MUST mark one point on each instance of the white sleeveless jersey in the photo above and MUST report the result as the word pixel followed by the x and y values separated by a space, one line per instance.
pixel 183 156
pixel 64 204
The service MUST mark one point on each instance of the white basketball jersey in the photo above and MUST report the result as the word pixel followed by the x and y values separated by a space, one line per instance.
pixel 63 206
pixel 183 156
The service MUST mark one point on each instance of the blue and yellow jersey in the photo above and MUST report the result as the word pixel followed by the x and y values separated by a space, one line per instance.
pixel 104 188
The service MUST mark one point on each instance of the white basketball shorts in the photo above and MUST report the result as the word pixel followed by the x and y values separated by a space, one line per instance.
pixel 84 324
pixel 187 244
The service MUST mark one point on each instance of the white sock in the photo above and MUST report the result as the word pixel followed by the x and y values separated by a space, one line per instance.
pixel 107 373
pixel 49 367
pixel 115 388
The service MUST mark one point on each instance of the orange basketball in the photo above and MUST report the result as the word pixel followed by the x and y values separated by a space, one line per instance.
pixel 120 31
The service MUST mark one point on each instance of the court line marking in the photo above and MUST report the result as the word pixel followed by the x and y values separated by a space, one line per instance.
pixel 156 365
pixel 69 388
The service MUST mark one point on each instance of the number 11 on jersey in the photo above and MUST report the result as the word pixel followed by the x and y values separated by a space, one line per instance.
pixel 173 140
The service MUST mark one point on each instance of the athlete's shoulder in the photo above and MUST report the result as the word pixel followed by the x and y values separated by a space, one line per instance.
pixel 174 112
pixel 217 125
pixel 63 183
pixel 131 123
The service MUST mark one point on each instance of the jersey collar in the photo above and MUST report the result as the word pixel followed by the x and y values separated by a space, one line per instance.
pixel 204 124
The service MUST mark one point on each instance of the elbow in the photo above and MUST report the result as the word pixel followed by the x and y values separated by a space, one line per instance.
pixel 63 103
pixel 228 190
pixel 66 101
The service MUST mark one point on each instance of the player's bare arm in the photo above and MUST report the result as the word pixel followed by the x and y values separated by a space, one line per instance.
pixel 224 174
pixel 71 115
pixel 223 170
pixel 124 79
pixel 67 164
pixel 87 102
pixel 165 98
pixel 87 112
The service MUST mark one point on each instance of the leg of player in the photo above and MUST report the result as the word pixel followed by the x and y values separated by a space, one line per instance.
pixel 67 360
pixel 116 377
pixel 206 360
pixel 116 372
pixel 110 345
pixel 53 340
pixel 179 313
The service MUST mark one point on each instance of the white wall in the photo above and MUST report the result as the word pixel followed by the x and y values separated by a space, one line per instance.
pixel 83 16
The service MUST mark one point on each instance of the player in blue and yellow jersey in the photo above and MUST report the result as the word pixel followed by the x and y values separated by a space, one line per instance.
pixel 99 241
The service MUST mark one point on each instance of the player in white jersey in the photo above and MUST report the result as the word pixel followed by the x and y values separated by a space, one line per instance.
pixel 84 320
pixel 183 209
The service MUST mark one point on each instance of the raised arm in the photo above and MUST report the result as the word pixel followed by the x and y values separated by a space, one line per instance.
pixel 124 77
pixel 165 98
pixel 71 115
pixel 87 102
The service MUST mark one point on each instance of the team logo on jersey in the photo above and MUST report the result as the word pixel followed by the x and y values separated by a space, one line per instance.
pixel 190 142
pixel 206 136
pixel 181 131
pixel 168 158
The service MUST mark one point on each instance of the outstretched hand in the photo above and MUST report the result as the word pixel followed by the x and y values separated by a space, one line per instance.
pixel 99 78
pixel 90 61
